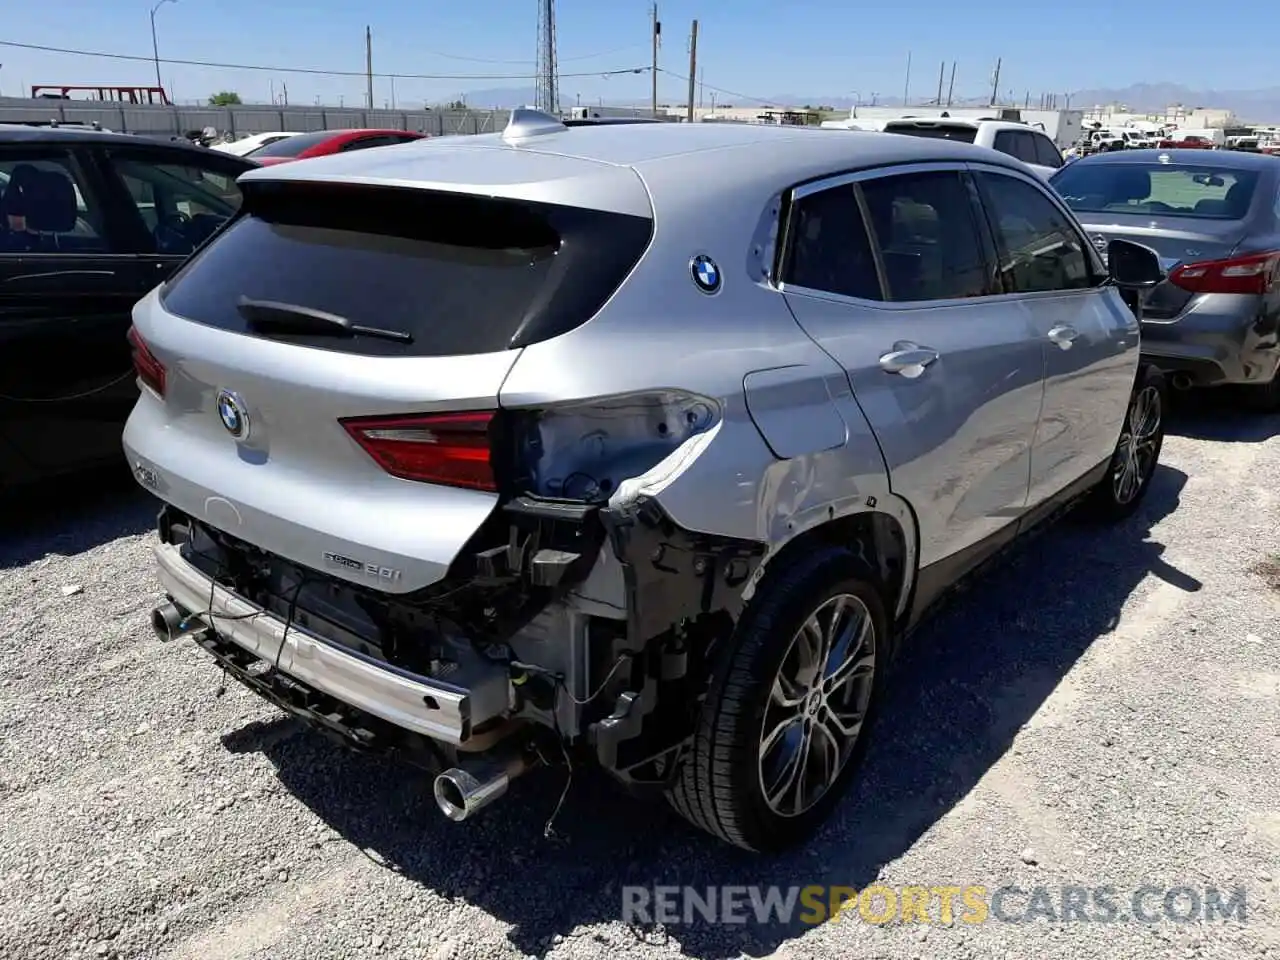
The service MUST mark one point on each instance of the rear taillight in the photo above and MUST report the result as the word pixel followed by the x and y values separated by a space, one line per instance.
pixel 1254 273
pixel 446 448
pixel 150 370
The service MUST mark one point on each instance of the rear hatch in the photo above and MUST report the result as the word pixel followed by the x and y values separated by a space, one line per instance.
pixel 326 304
pixel 1163 206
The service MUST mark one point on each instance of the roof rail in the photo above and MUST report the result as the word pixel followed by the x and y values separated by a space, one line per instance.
pixel 526 122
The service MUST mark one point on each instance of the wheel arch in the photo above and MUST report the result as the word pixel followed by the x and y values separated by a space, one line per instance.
pixel 881 531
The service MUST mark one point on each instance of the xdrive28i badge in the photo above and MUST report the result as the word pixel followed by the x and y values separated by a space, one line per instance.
pixel 706 275
pixel 233 414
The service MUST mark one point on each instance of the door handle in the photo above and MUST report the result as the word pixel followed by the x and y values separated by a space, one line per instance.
pixel 1063 336
pixel 908 359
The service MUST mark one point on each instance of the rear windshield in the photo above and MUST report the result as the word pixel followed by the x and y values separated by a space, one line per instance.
pixel 1157 189
pixel 439 274
pixel 291 146
pixel 960 132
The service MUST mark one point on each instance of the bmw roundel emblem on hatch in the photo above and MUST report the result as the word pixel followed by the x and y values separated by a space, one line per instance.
pixel 232 413
pixel 705 273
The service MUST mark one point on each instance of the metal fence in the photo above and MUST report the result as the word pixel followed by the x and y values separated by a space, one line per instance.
pixel 239 121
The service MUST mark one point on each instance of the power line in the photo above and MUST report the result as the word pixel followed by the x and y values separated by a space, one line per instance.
pixel 588 56
pixel 729 93
pixel 312 70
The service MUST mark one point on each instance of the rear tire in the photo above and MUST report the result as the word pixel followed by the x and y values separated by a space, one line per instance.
pixel 779 739
pixel 1137 452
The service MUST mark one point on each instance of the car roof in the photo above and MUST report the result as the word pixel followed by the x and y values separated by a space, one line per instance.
pixel 353 131
pixel 22 133
pixel 579 166
pixel 26 133
pixel 1221 159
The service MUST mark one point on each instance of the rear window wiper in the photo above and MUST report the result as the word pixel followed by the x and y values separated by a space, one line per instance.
pixel 293 318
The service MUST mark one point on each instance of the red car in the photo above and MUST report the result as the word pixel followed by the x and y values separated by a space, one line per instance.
pixel 324 142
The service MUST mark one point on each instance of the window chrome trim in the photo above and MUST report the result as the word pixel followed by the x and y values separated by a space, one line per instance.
pixel 811 187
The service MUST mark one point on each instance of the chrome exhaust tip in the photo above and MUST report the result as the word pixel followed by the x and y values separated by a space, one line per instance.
pixel 169 623
pixel 461 792
pixel 1181 381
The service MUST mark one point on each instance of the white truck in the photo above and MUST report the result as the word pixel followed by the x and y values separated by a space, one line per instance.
pixel 1029 144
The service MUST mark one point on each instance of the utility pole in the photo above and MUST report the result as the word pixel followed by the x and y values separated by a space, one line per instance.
pixel 702 77
pixel 693 66
pixel 942 69
pixel 368 64
pixel 653 70
pixel 995 83
pixel 906 86
pixel 393 91
pixel 284 92
pixel 155 47
pixel 952 85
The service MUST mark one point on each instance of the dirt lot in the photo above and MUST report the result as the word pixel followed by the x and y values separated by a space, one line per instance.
pixel 1107 706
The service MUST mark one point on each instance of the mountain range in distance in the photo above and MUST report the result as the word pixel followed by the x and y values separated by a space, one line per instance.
pixel 1256 105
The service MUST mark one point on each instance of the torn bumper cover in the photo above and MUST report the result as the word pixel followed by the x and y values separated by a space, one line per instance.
pixel 528 642
pixel 429 707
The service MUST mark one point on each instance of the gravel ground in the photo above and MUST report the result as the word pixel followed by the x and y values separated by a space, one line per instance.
pixel 1107 706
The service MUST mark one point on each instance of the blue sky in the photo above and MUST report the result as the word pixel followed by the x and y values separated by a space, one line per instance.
pixel 750 47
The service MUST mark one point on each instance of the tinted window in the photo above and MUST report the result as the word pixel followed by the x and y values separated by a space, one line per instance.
pixel 181 205
pixel 937 131
pixel 381 140
pixel 46 207
pixel 459 274
pixel 1023 145
pixel 1184 190
pixel 1047 153
pixel 1006 143
pixel 292 146
pixel 830 250
pixel 927 231
pixel 1039 248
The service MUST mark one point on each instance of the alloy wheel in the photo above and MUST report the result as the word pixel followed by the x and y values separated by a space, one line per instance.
pixel 1136 452
pixel 817 705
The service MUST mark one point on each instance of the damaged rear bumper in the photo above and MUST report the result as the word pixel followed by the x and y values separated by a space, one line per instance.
pixel 593 623
pixel 429 707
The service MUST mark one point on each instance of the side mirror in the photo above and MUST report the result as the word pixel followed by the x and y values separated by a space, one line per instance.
pixel 1133 266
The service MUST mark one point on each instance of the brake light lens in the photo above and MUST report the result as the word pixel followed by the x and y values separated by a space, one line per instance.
pixel 449 448
pixel 150 370
pixel 1255 273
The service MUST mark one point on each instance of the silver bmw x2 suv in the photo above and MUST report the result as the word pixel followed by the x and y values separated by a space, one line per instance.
pixel 636 445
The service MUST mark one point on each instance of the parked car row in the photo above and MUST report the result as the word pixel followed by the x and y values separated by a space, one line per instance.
pixel 637 445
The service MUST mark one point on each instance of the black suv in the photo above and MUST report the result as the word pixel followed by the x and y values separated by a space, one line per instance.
pixel 89 222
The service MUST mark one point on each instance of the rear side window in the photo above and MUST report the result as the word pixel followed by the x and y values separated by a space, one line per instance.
pixel 46 206
pixel 830 249
pixel 1047 154
pixel 448 274
pixel 1019 143
pixel 292 146
pixel 927 230
pixel 1005 143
